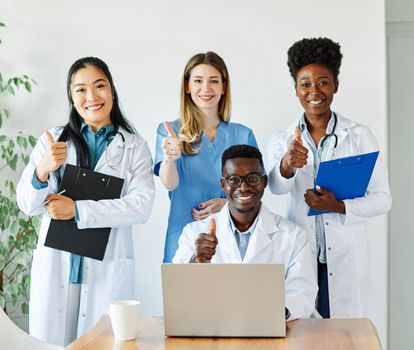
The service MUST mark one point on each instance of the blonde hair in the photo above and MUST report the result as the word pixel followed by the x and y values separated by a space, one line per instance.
pixel 191 118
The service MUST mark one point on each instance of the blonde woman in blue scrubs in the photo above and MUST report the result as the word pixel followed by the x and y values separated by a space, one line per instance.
pixel 189 149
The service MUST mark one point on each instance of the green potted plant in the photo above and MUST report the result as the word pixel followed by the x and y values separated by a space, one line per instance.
pixel 18 233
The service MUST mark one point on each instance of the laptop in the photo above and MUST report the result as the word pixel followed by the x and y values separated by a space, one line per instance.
pixel 224 300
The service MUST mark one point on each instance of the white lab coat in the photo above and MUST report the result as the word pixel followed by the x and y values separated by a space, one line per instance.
pixel 275 240
pixel 345 235
pixel 103 281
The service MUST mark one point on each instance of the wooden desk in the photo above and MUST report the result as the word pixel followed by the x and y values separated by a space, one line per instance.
pixel 333 334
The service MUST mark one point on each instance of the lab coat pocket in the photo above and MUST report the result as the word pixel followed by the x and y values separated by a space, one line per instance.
pixel 362 262
pixel 338 260
pixel 123 279
pixel 342 272
pixel 361 249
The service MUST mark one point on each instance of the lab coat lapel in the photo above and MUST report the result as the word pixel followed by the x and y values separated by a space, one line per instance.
pixel 226 240
pixel 262 235
pixel 342 131
pixel 71 154
pixel 111 156
pixel 70 159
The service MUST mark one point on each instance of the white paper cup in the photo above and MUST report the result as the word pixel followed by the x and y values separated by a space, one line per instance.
pixel 124 318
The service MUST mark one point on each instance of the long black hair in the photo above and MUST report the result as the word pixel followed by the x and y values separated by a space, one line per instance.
pixel 71 131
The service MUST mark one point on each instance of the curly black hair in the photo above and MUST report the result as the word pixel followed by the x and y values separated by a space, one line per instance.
pixel 242 151
pixel 315 50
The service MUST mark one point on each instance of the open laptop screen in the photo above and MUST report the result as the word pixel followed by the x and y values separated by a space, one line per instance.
pixel 224 300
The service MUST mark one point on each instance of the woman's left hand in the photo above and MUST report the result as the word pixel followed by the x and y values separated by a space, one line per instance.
pixel 60 207
pixel 325 201
pixel 207 208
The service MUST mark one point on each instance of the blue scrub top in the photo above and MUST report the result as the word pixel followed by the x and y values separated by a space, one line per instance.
pixel 199 176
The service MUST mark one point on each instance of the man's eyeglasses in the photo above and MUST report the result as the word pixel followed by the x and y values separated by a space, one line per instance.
pixel 236 180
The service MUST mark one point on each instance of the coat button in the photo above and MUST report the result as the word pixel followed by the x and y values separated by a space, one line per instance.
pixel 330 273
pixel 326 223
pixel 329 248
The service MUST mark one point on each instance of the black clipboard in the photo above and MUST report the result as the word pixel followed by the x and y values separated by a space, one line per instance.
pixel 81 184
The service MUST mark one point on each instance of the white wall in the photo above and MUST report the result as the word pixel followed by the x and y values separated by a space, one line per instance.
pixel 147 43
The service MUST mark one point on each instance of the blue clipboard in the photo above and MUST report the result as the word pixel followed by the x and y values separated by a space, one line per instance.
pixel 347 178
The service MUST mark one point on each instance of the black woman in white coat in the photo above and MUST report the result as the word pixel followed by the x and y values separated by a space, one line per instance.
pixel 338 238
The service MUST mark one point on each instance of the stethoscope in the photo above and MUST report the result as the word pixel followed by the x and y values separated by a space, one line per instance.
pixel 330 134
pixel 109 139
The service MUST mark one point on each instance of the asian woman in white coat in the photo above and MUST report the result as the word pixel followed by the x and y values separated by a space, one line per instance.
pixel 338 238
pixel 69 293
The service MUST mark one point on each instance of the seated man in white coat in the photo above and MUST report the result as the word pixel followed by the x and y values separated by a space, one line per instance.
pixel 245 231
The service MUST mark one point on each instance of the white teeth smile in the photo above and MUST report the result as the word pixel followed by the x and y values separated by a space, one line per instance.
pixel 244 198
pixel 94 107
pixel 315 102
pixel 206 98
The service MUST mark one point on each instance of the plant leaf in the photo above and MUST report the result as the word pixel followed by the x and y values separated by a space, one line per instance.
pixel 14 228
pixel 28 86
pixel 18 232
pixel 19 140
pixel 10 89
pixel 25 143
pixel 2 300
pixel 2 263
pixel 32 140
pixel 25 308
pixel 13 162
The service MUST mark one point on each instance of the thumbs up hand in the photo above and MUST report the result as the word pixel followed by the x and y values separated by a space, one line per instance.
pixel 171 144
pixel 212 227
pixel 295 157
pixel 298 136
pixel 205 244
pixel 53 158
